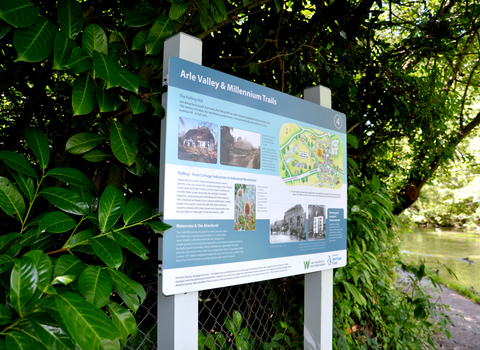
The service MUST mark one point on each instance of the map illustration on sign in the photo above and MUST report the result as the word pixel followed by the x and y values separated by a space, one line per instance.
pixel 310 157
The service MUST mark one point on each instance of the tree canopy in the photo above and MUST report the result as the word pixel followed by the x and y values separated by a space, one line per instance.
pixel 81 84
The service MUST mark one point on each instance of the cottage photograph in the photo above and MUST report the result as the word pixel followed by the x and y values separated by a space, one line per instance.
pixel 239 148
pixel 197 140
pixel 288 223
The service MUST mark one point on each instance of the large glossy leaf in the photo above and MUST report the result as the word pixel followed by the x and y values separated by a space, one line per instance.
pixel 18 340
pixel 43 264
pixel 86 195
pixel 38 142
pixel 5 315
pixel 94 39
pixel 26 185
pixel 18 13
pixel 6 241
pixel 83 96
pixel 177 9
pixel 123 319
pixel 23 282
pixel 106 69
pixel 96 285
pixel 87 325
pixel 80 237
pixel 139 40
pixel 138 106
pixel 131 243
pixel 62 50
pixel 131 300
pixel 79 61
pixel 110 208
pixel 17 162
pixel 161 30
pixel 108 250
pixel 96 155
pixel 35 43
pixel 68 265
pixel 72 177
pixel 11 200
pixel 157 226
pixel 129 80
pixel 70 17
pixel 127 284
pixel 56 222
pixel 83 142
pixel 52 337
pixel 66 200
pixel 105 101
pixel 136 209
pixel 139 18
pixel 122 147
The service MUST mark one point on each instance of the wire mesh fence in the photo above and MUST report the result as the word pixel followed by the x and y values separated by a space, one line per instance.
pixel 242 316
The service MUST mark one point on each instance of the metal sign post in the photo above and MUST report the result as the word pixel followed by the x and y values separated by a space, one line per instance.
pixel 177 314
pixel 318 285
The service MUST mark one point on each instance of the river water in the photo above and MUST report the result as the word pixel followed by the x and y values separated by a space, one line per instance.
pixel 449 247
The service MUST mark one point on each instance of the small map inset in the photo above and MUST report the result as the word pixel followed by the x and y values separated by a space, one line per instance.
pixel 310 157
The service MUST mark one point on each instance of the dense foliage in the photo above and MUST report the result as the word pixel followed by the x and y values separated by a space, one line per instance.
pixel 80 85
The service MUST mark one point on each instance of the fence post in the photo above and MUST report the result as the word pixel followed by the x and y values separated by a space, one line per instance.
pixel 318 314
pixel 177 326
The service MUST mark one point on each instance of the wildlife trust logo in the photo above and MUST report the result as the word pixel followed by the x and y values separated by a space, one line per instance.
pixel 311 264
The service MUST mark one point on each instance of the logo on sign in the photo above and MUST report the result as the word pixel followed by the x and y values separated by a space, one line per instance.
pixel 306 264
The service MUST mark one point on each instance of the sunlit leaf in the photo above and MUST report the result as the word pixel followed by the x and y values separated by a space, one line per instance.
pixel 178 9
pixel 17 340
pixel 110 208
pixel 131 243
pixel 108 250
pixel 80 237
pixel 23 281
pixel 35 43
pixel 127 284
pixel 95 284
pixel 68 264
pixel 129 80
pixel 123 319
pixel 87 325
pixel 157 226
pixel 43 264
pixel 138 106
pixel 52 337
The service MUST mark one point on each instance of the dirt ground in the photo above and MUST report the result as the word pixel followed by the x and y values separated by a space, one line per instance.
pixel 464 313
pixel 466 333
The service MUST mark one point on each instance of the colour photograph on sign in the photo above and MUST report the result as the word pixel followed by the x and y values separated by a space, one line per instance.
pixel 254 182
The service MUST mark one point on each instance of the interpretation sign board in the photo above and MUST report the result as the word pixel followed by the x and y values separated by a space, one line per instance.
pixel 255 182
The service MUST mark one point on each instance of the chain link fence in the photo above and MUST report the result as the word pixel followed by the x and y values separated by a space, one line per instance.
pixel 242 316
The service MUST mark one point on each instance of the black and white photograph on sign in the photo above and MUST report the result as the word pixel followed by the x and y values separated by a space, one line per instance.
pixel 245 207
pixel 316 222
pixel 197 140
pixel 239 148
pixel 288 223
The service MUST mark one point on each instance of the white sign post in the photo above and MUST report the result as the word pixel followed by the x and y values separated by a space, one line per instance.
pixel 253 182
pixel 178 313
pixel 318 302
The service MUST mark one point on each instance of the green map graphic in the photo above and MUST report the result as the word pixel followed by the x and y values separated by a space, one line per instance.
pixel 310 157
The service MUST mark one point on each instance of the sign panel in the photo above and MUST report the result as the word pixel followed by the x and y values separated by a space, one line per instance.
pixel 255 182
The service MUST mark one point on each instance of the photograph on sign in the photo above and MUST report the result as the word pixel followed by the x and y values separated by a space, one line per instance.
pixel 255 182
